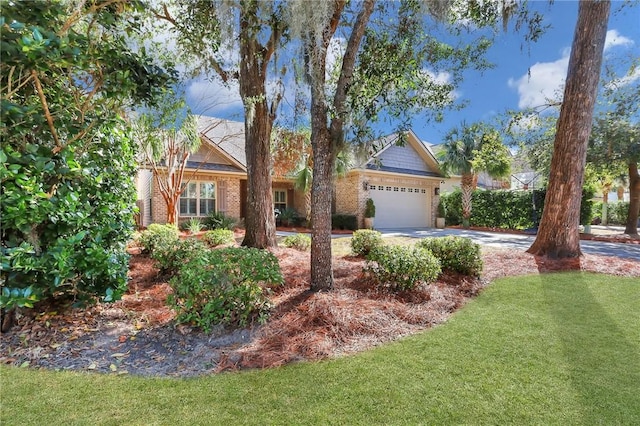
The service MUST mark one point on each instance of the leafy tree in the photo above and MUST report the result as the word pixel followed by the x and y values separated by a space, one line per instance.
pixel 558 234
pixel 469 151
pixel 292 158
pixel 380 73
pixel 166 151
pixel 615 145
pixel 204 29
pixel 66 72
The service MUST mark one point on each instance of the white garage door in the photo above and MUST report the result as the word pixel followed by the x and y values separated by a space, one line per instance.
pixel 400 207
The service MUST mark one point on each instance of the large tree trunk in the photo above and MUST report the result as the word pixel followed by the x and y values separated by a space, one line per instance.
pixel 323 165
pixel 260 221
pixel 634 200
pixel 558 234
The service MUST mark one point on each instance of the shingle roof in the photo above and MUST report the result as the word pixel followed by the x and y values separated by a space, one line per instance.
pixel 227 134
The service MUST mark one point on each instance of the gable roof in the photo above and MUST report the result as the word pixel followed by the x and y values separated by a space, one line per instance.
pixel 227 136
pixel 229 139
pixel 387 143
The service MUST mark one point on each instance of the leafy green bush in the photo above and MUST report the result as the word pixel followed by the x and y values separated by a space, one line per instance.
pixel 300 242
pixel 194 225
pixel 344 221
pixel 618 213
pixel 66 218
pixel 170 257
pixel 218 237
pixel 157 235
pixel 68 193
pixel 225 286
pixel 506 209
pixel 364 241
pixel 456 254
pixel 369 208
pixel 402 267
pixel 218 220
pixel 288 217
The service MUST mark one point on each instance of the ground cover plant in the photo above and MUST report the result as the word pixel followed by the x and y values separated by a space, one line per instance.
pixel 535 349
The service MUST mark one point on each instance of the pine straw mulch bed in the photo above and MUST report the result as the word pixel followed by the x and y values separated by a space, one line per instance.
pixel 137 336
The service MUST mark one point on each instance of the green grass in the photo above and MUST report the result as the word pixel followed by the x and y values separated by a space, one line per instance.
pixel 558 349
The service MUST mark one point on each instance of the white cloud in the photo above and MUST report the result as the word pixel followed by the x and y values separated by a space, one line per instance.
pixel 614 38
pixel 625 80
pixel 211 97
pixel 543 84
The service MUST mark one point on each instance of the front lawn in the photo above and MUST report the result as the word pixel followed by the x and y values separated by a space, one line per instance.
pixel 544 349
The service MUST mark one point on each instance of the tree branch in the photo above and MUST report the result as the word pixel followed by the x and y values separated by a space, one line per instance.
pixel 47 113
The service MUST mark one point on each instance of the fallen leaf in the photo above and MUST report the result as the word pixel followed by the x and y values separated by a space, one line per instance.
pixel 93 366
pixel 119 355
pixel 25 364
pixel 122 339
pixel 113 367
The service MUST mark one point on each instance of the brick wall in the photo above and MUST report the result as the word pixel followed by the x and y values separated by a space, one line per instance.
pixel 159 207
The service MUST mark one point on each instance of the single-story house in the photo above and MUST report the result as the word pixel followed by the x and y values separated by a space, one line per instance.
pixel 402 179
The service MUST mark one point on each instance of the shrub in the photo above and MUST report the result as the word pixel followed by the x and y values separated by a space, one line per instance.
pixel 288 217
pixel 344 221
pixel 170 257
pixel 456 254
pixel 225 286
pixel 66 216
pixel 300 242
pixel 442 207
pixel 618 213
pixel 157 235
pixel 218 220
pixel 194 225
pixel 402 267
pixel 218 237
pixel 369 208
pixel 364 241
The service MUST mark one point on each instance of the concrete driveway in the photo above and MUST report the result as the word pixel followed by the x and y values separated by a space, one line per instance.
pixel 516 241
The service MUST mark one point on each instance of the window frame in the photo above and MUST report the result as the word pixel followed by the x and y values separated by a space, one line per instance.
pixel 277 203
pixel 198 198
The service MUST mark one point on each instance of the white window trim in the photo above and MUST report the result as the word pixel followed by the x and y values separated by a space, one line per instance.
pixel 198 198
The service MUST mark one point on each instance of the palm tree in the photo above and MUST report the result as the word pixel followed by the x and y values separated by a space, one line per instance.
pixel 304 176
pixel 456 157
pixel 469 151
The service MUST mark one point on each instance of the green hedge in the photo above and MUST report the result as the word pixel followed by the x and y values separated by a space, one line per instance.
pixel 344 221
pixel 507 209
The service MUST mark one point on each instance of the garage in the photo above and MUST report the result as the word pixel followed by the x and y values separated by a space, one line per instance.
pixel 400 206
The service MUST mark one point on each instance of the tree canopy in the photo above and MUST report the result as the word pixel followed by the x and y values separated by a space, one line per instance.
pixel 66 73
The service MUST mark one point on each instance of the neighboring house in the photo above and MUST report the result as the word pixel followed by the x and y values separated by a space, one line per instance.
pixel 403 181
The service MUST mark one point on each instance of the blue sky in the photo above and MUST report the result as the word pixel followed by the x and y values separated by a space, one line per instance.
pixel 507 86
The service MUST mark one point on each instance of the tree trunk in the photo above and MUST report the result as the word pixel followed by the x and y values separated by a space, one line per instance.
pixel 467 193
pixel 634 200
pixel 321 266
pixel 559 235
pixel 605 204
pixel 260 221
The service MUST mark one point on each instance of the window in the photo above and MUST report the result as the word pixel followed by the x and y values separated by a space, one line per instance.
pixel 207 198
pixel 198 199
pixel 280 200
pixel 403 189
